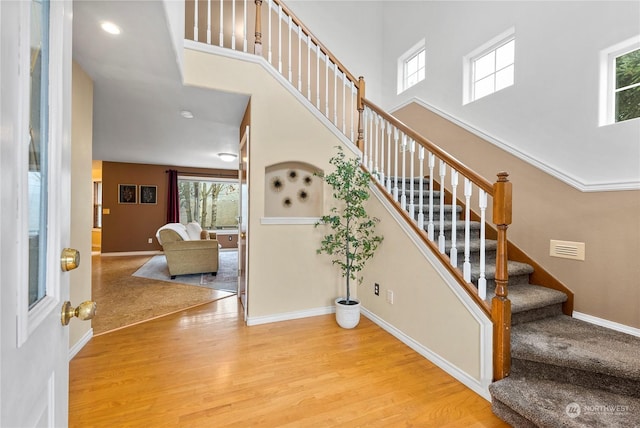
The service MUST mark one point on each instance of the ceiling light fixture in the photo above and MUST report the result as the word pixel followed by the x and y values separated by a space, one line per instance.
pixel 227 157
pixel 186 114
pixel 110 28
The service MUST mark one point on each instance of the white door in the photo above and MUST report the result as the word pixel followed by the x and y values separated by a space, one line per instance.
pixel 243 229
pixel 35 108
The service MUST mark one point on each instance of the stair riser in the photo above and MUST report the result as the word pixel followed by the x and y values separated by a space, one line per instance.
pixel 573 376
pixel 509 415
pixel 536 314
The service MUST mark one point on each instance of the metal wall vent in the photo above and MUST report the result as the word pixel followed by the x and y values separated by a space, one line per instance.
pixel 567 249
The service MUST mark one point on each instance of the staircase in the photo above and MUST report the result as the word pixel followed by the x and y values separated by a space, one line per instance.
pixel 564 372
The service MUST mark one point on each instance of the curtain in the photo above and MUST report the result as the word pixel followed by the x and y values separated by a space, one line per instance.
pixel 173 199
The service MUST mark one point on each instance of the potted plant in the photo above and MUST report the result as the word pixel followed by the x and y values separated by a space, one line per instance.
pixel 351 241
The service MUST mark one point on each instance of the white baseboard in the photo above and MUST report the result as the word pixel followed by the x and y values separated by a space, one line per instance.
pixel 469 381
pixel 132 253
pixel 290 315
pixel 80 344
pixel 606 323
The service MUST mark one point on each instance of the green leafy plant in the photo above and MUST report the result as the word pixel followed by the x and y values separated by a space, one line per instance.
pixel 352 240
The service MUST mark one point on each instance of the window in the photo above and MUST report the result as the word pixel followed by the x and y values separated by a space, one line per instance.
pixel 490 68
pixel 620 82
pixel 411 67
pixel 627 89
pixel 211 202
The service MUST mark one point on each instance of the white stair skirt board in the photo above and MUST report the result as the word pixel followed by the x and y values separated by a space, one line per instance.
pixel 608 324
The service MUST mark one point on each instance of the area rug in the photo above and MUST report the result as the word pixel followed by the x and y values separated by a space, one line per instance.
pixel 225 280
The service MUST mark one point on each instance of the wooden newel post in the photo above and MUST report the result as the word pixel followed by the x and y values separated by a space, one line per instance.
pixel 257 47
pixel 500 304
pixel 361 87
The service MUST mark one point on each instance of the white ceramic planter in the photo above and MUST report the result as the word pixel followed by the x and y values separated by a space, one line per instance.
pixel 347 316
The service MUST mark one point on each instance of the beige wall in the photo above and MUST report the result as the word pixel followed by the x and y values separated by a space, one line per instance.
pixel 286 274
pixel 81 194
pixel 607 283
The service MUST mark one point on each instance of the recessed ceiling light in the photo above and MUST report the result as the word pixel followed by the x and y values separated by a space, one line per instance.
pixel 186 114
pixel 110 27
pixel 227 157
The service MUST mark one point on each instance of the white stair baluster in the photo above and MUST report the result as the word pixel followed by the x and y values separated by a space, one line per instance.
pixel 365 136
pixel 335 95
pixel 388 184
pixel 441 238
pixel 421 189
pixel 289 67
pixel 279 38
pixel 482 281
pixel 221 24
pixel 430 231
pixel 403 150
pixel 372 119
pixel 383 124
pixel 208 21
pixel 318 53
pixel 354 94
pixel 395 173
pixel 195 21
pixel 299 31
pixel 308 67
pixel 376 143
pixel 244 27
pixel 326 86
pixel 233 25
pixel 453 253
pixel 269 32
pixel 343 76
pixel 466 267
pixel 412 175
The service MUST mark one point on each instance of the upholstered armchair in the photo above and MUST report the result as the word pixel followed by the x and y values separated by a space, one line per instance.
pixel 188 249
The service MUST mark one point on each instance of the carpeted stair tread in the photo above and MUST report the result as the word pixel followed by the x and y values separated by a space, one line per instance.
pixel 545 403
pixel 568 342
pixel 526 297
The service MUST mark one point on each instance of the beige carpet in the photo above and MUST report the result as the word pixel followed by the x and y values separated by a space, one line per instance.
pixel 125 300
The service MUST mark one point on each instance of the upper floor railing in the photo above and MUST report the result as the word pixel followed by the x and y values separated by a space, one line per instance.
pixel 401 159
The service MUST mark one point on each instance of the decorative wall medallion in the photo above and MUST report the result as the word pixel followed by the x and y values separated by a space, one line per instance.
pixel 307 180
pixel 303 195
pixel 287 202
pixel 276 184
pixel 292 175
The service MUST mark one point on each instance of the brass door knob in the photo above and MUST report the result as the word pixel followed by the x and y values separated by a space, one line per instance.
pixel 84 311
pixel 70 259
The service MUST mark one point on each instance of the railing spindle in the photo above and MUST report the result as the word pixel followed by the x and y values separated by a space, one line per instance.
pixel 403 196
pixel 233 25
pixel 412 176
pixel 453 253
pixel 280 38
pixel 421 189
pixel 466 266
pixel 289 66
pixel 396 134
pixel 221 24
pixel 482 281
pixel 299 58
pixel 308 67
pixel 441 238
pixel 244 27
pixel 381 172
pixel 432 164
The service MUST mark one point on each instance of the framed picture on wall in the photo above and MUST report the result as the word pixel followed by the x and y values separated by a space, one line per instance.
pixel 127 193
pixel 148 194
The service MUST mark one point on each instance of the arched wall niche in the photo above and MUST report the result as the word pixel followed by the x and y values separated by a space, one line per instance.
pixel 292 190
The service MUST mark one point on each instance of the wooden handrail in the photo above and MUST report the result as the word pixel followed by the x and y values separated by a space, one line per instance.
pixel 480 181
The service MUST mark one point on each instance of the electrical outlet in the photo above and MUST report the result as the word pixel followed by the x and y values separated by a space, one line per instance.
pixel 376 289
pixel 390 296
pixel 150 241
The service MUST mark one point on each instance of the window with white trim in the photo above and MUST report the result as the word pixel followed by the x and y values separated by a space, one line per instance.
pixel 411 66
pixel 490 68
pixel 620 82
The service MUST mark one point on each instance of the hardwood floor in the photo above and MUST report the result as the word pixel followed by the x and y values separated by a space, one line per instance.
pixel 203 367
